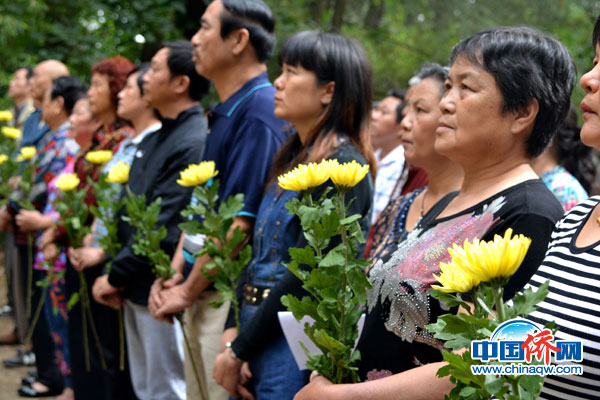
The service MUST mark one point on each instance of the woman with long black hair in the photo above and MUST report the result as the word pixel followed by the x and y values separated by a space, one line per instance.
pixel 324 91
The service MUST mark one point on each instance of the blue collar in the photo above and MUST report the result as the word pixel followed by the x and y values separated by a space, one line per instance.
pixel 233 102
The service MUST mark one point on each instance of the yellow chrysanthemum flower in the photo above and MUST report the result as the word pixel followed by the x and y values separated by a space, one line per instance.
pixel 481 261
pixel 197 174
pixel 304 177
pixel 6 115
pixel 67 182
pixel 27 153
pixel 347 175
pixel 454 279
pixel 3 158
pixel 499 258
pixel 119 173
pixel 12 133
pixel 99 156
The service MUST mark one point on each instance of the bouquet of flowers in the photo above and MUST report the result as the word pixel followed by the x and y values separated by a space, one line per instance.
pixel 223 245
pixel 335 279
pixel 147 238
pixel 74 215
pixel 480 270
pixel 25 185
pixel 8 166
pixel 106 191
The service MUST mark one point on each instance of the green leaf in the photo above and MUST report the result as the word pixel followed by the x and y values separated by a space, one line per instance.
pixel 73 300
pixel 493 384
pixel 300 308
pixel 308 216
pixel 191 227
pixel 333 258
pixel 449 299
pixel 460 369
pixel 531 384
pixel 304 255
pixel 359 283
pixel 327 341
pixel 469 393
pixel 350 219
pixel 525 303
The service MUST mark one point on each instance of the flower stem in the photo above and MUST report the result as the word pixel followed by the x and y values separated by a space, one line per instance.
pixel 516 388
pixel 499 302
pixel 309 199
pixel 86 348
pixel 236 307
pixel 342 205
pixel 121 341
pixel 36 316
pixel 86 308
pixel 179 317
pixel 29 272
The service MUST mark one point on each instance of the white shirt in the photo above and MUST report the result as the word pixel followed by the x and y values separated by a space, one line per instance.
pixel 389 170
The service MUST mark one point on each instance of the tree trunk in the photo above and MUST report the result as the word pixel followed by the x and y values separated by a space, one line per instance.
pixel 374 14
pixel 338 15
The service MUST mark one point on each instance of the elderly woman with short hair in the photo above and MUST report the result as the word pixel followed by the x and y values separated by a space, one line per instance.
pixel 507 92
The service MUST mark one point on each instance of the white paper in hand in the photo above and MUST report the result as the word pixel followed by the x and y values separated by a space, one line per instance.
pixel 293 331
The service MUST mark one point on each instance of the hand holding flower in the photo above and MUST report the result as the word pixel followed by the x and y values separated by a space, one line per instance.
pixel 227 372
pixel 85 257
pixel 317 388
pixel 174 300
pixel 107 294
pixel 32 220
pixel 4 220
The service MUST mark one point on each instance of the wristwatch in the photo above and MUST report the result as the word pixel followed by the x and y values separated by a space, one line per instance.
pixel 231 352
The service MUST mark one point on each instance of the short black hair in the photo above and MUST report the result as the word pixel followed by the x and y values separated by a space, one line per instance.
pixel 527 65
pixel 180 62
pixel 29 70
pixel 400 94
pixel 254 16
pixel 71 89
pixel 142 69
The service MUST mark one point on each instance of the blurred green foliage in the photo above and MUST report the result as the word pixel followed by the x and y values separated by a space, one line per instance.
pixel 399 35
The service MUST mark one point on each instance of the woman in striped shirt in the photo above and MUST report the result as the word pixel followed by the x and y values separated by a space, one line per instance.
pixel 572 264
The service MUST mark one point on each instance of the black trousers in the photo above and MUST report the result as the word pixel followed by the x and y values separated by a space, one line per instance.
pixel 41 340
pixel 109 384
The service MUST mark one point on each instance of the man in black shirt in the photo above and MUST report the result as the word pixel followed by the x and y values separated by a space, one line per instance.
pixel 173 88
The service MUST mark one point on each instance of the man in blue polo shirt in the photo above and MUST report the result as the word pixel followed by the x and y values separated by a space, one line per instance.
pixel 234 42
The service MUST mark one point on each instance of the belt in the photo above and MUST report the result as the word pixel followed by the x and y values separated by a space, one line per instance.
pixel 254 295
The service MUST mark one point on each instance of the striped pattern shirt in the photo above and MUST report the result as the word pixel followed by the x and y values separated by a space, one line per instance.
pixel 573 302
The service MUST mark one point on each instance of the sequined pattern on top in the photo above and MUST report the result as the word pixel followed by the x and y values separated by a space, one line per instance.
pixel 405 279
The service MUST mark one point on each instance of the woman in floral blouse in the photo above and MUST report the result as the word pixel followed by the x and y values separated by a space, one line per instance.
pixel 108 78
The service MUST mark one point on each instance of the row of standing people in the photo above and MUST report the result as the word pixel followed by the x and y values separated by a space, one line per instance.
pixel 488 124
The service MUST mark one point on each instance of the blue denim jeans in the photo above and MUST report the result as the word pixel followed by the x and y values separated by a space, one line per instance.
pixel 275 373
